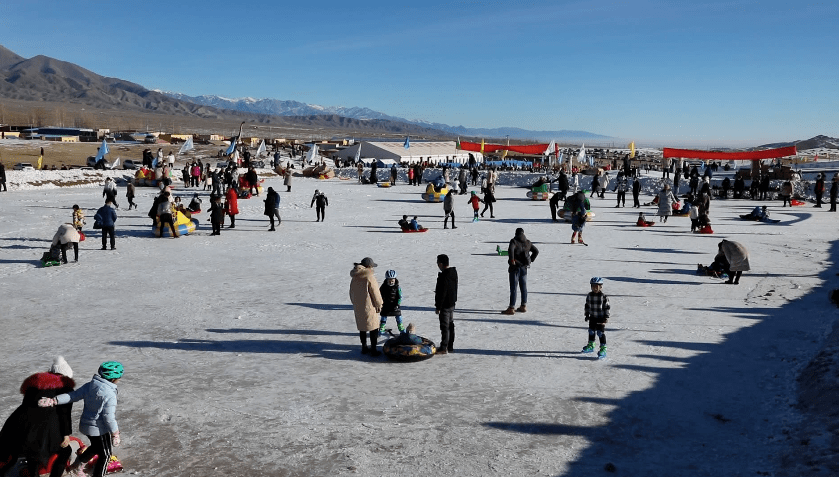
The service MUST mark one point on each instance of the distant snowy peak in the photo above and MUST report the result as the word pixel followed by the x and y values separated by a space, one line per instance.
pixel 278 107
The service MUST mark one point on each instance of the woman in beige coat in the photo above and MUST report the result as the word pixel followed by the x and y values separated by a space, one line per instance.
pixel 367 303
pixel 738 260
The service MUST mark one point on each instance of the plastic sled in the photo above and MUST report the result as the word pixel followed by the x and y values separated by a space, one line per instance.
pixel 500 252
pixel 412 231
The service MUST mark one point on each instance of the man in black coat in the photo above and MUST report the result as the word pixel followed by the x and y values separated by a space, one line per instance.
pixel 321 201
pixel 636 191
pixel 520 254
pixel 819 190
pixel 445 297
pixel 562 182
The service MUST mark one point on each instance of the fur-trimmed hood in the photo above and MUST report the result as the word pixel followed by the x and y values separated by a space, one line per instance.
pixel 47 381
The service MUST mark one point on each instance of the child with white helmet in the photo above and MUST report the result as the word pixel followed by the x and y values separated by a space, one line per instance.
pixel 597 315
pixel 391 299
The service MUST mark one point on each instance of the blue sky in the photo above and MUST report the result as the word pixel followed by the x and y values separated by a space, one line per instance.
pixel 659 72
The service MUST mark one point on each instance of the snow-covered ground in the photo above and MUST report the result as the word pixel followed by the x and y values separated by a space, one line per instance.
pixel 242 355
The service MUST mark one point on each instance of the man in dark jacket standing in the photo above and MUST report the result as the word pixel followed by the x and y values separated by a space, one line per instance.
pixel 819 190
pixel 636 191
pixel 107 217
pixel 521 253
pixel 448 208
pixel 272 207
pixel 562 183
pixel 321 201
pixel 445 297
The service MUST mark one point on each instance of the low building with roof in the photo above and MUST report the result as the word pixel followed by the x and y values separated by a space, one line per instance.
pixel 431 152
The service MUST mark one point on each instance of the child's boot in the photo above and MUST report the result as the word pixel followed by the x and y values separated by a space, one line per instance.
pixel 401 327
pixel 589 347
pixel 602 352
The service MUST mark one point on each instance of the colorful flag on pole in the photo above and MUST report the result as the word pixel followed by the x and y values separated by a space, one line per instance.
pixel 407 144
pixel 457 146
pixel 358 153
pixel 482 146
pixel 261 149
pixel 632 150
pixel 40 162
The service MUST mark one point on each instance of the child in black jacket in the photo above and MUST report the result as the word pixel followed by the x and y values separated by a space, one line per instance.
pixel 597 315
pixel 391 299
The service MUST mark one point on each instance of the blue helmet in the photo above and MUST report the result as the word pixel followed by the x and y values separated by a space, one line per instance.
pixel 596 281
pixel 390 274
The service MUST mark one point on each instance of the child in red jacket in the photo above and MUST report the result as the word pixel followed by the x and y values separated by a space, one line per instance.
pixel 475 200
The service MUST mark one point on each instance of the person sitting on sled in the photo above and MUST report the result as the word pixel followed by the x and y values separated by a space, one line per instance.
pixel 642 220
pixel 409 337
pixel 404 224
pixel 414 224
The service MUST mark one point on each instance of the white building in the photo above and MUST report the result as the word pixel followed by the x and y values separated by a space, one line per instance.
pixel 433 152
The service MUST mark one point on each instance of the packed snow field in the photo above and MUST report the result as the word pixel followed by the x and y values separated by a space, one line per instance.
pixel 242 356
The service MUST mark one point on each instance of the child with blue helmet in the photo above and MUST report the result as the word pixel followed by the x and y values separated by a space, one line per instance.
pixel 391 299
pixel 597 315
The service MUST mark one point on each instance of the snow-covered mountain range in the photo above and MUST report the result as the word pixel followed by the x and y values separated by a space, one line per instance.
pixel 279 107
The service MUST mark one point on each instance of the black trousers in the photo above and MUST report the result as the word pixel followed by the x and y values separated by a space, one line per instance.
pixel 100 446
pixel 446 328
pixel 487 205
pixel 636 203
pixel 622 197
pixel 321 211
pixel 64 248
pixel 107 232
pixel 216 226
pixel 167 219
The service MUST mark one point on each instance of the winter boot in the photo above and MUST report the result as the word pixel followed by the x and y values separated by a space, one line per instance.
pixel 522 308
pixel 602 352
pixel 374 338
pixel 401 327
pixel 364 348
pixel 509 311
pixel 589 347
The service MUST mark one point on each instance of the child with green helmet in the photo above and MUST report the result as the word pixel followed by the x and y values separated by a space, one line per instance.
pixel 98 421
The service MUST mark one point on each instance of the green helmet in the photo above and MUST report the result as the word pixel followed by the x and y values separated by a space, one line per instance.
pixel 111 370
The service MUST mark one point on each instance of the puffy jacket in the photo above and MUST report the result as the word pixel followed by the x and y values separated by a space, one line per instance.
pixel 736 254
pixel 448 203
pixel 445 294
pixel 106 215
pixel 232 206
pixel 391 298
pixel 365 298
pixel 36 431
pixel 66 234
pixel 521 251
pixel 100 404
pixel 164 207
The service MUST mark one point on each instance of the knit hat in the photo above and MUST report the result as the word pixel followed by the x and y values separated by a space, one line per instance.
pixel 60 366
